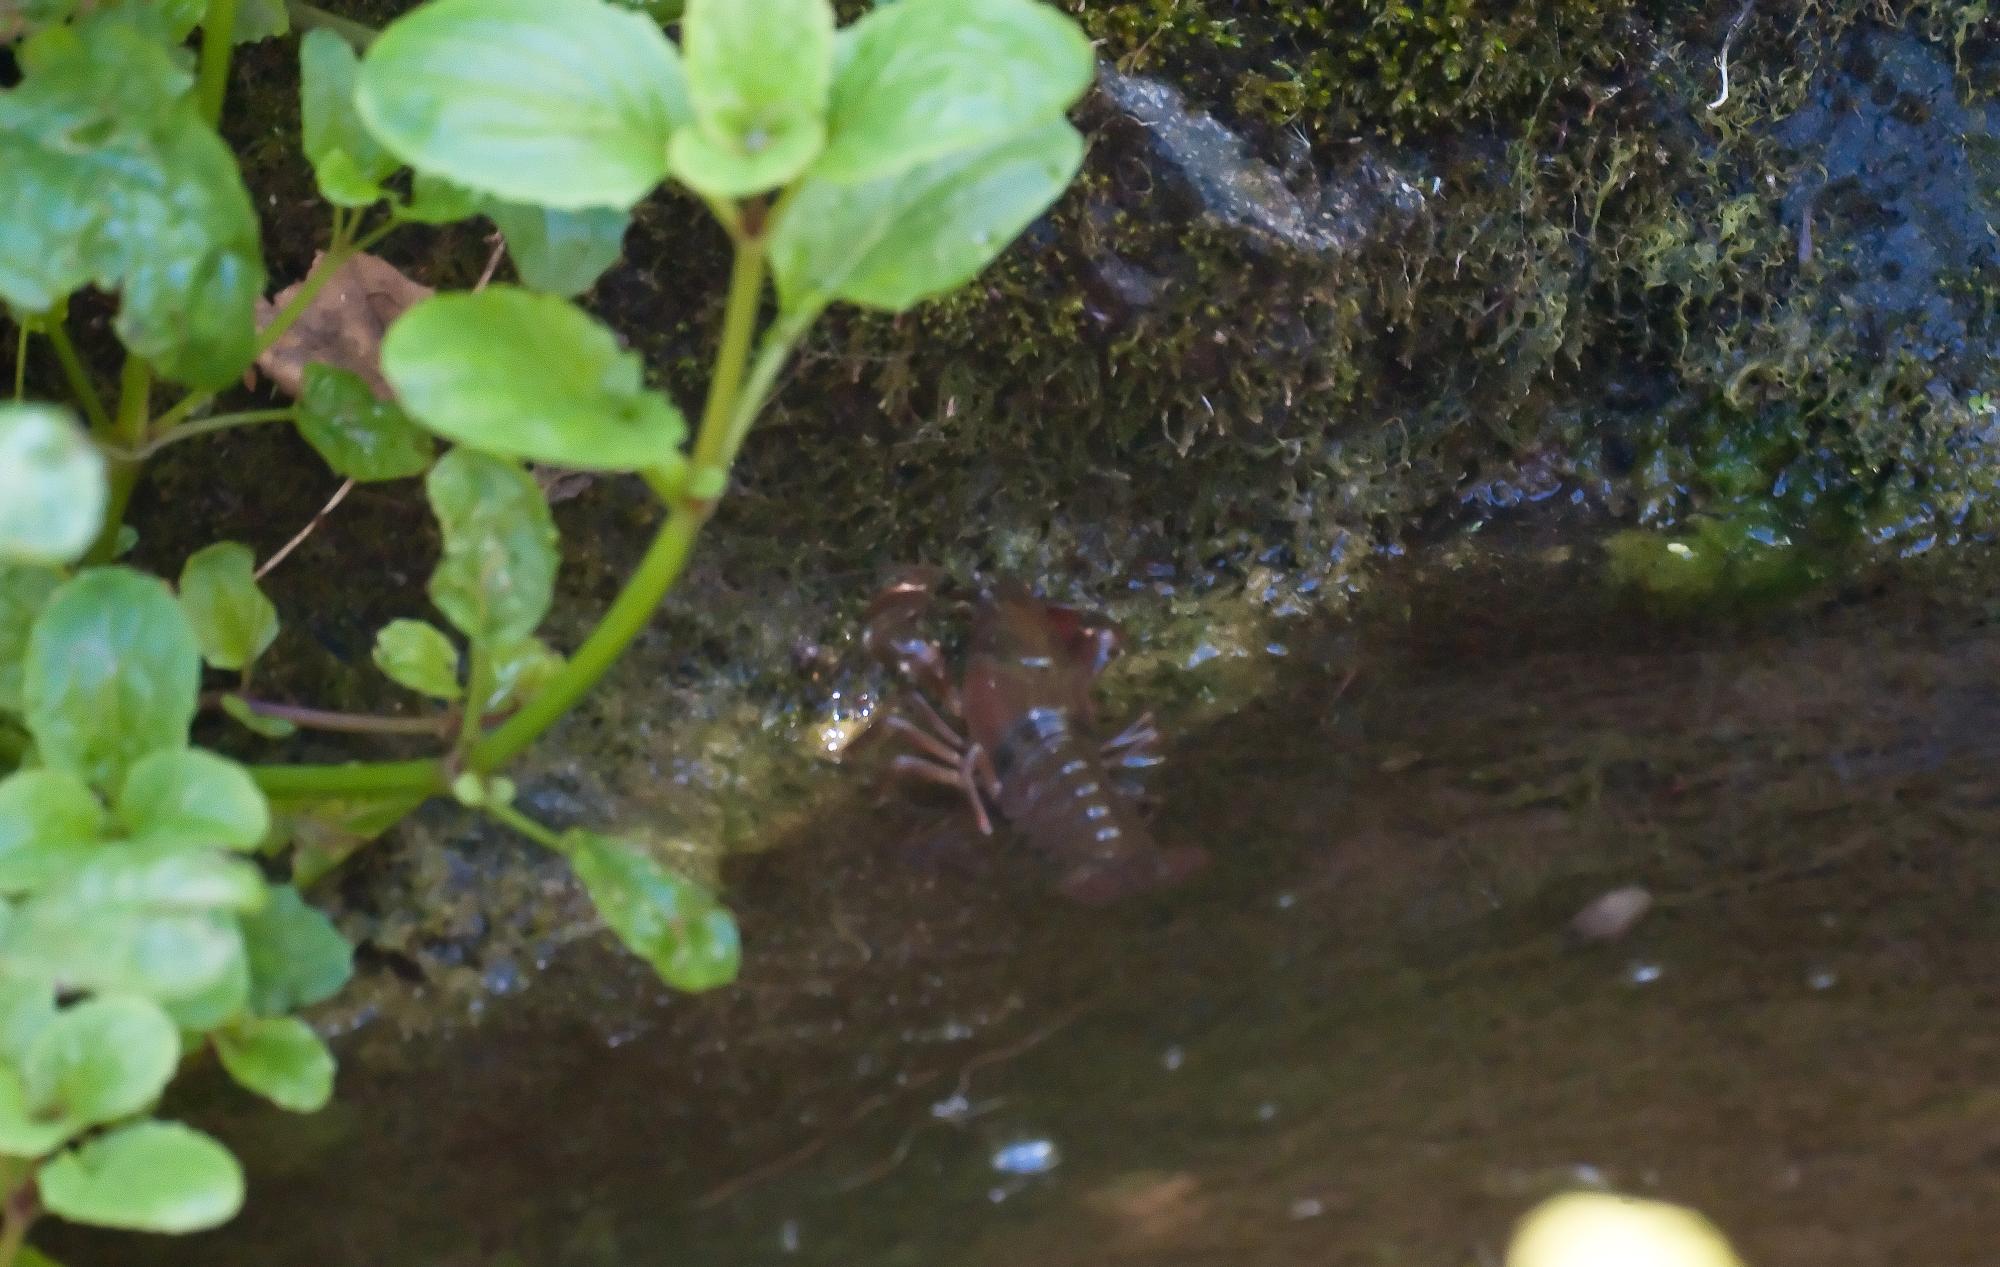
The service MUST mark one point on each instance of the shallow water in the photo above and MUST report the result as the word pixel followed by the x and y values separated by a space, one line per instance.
pixel 1363 1038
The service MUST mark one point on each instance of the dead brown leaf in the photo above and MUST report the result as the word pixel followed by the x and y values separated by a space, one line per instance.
pixel 344 324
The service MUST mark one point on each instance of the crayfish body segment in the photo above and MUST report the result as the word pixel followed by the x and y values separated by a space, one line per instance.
pixel 1028 754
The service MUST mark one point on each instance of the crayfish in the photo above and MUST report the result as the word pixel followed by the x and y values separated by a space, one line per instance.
pixel 1028 752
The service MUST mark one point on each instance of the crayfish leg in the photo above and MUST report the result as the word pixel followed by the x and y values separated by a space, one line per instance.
pixel 959 777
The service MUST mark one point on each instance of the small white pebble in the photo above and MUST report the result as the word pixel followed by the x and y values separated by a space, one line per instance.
pixel 1308 1208
pixel 1643 973
pixel 1173 1058
pixel 1611 915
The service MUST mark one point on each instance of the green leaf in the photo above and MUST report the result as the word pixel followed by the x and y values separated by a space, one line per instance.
pixel 250 719
pixel 348 161
pixel 23 592
pixel 435 200
pixel 662 11
pixel 102 1059
pixel 362 438
pixel 671 922
pixel 561 252
pixel 224 1000
pixel 417 654
pixel 718 170
pixel 520 671
pixel 26 1131
pixel 925 79
pixel 112 673
pixel 233 622
pixel 111 177
pixel 259 20
pixel 188 798
pixel 758 76
pixel 26 1008
pixel 146 1177
pixel 528 376
pixel 137 878
pixel 53 482
pixel 280 1059
pixel 76 946
pixel 892 244
pixel 297 957
pixel 47 809
pixel 498 573
pixel 562 103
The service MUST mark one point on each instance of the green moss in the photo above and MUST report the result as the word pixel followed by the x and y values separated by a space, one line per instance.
pixel 1354 67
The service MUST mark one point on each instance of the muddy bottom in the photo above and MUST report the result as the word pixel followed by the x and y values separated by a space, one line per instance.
pixel 1366 1036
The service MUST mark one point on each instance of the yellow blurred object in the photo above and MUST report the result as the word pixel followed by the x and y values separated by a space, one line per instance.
pixel 1596 1229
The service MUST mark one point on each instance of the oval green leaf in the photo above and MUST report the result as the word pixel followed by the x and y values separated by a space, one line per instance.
pixel 146 1177
pixel 348 161
pixel 111 177
pixel 48 810
pixel 894 243
pixel 560 252
pixel 226 1000
pixel 26 1008
pixel 417 654
pixel 528 376
pixel 520 671
pixel 671 922
pixel 281 1059
pixel 76 946
pixel 112 673
pixel 23 592
pixel 135 877
pixel 362 438
pixel 233 622
pixel 102 1059
pixel 53 485
pixel 25 1130
pixel 297 957
pixel 924 79
pixel 758 76
pixel 189 798
pixel 498 573
pixel 729 171
pixel 562 103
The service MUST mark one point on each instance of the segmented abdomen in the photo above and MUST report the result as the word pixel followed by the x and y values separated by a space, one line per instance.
pixel 1054 791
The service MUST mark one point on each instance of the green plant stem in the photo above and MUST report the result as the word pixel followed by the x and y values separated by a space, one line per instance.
pixel 21 363
pixel 13 1235
pixel 128 431
pixel 17 1214
pixel 511 817
pixel 308 17
pixel 739 325
pixel 329 264
pixel 344 723
pixel 294 308
pixel 80 385
pixel 478 688
pixel 218 41
pixel 202 427
pixel 629 613
pixel 351 780
pixel 772 353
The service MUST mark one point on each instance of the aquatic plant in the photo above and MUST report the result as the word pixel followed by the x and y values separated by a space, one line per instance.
pixel 876 165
